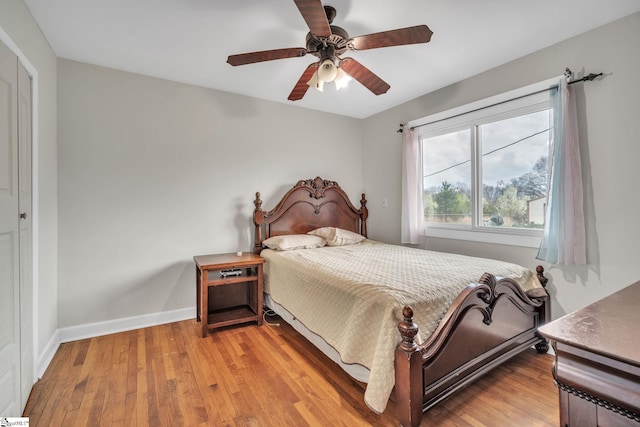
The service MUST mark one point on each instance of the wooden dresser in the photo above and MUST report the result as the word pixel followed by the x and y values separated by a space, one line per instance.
pixel 597 366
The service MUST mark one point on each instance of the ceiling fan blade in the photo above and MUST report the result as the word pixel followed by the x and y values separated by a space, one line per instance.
pixel 402 36
pixel 314 15
pixel 301 87
pixel 365 76
pixel 266 55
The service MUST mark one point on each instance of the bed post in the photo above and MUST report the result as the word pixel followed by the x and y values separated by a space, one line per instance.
pixel 258 218
pixel 408 361
pixel 542 295
pixel 364 214
pixel 541 277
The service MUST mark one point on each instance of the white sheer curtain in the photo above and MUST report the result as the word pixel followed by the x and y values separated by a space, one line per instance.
pixel 563 240
pixel 412 222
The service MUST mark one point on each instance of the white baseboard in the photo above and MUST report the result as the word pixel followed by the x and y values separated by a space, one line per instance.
pixel 90 330
pixel 47 355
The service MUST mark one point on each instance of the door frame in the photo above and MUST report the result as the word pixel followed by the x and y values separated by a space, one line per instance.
pixel 6 39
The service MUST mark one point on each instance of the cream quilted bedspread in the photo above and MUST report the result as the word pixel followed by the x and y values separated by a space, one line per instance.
pixel 353 297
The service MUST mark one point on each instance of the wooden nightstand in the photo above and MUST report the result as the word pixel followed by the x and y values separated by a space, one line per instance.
pixel 228 289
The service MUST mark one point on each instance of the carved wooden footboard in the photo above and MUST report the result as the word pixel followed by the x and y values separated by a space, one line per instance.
pixel 487 324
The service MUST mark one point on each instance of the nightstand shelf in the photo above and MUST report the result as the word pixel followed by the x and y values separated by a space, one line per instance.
pixel 231 280
pixel 231 316
pixel 231 300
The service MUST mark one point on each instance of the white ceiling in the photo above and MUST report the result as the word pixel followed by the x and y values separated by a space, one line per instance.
pixel 189 41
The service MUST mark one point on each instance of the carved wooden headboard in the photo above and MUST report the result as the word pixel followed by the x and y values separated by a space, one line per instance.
pixel 310 204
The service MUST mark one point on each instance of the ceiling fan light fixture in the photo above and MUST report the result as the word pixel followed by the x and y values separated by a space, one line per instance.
pixel 327 71
pixel 315 82
pixel 342 79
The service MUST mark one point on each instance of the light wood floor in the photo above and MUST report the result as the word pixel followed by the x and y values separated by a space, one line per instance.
pixel 254 376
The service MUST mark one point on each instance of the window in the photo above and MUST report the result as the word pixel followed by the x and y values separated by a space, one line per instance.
pixel 484 170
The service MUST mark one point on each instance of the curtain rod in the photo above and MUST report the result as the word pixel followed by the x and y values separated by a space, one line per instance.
pixel 567 73
pixel 590 78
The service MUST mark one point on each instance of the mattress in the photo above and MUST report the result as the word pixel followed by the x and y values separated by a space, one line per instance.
pixel 352 297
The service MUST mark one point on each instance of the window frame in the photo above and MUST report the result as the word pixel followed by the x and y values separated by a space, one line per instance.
pixel 525 100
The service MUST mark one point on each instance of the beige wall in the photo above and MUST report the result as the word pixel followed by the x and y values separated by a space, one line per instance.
pixel 153 172
pixel 610 143
pixel 24 36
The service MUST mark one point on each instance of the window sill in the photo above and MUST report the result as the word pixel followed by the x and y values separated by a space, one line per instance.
pixel 528 241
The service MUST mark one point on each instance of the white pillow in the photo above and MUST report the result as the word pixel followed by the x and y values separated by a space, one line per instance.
pixel 294 241
pixel 337 236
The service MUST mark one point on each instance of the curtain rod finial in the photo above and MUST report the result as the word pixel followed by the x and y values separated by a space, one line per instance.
pixel 592 76
pixel 568 73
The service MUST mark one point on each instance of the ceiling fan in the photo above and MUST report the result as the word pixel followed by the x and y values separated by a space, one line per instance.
pixel 328 42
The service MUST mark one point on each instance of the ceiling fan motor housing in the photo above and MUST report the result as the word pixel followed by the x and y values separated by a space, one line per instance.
pixel 338 42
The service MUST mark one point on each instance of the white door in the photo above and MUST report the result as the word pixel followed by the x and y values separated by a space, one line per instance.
pixel 10 405
pixel 26 242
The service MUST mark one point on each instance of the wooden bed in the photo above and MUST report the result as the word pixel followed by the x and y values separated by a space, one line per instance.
pixel 489 322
